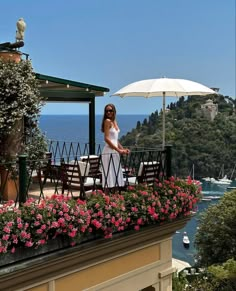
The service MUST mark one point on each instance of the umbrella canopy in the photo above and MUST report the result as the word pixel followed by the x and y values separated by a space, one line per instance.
pixel 163 87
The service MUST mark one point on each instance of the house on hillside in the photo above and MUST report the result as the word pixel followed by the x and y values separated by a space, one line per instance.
pixel 209 110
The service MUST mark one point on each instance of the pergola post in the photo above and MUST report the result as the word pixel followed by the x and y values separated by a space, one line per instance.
pixel 92 126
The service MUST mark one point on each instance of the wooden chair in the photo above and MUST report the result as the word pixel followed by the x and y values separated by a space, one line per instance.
pixel 94 176
pixel 79 176
pixel 72 179
pixel 148 172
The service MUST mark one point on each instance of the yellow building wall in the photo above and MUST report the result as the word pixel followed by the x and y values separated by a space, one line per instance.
pixel 132 271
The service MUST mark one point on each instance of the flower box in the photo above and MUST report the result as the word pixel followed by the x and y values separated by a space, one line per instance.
pixel 59 222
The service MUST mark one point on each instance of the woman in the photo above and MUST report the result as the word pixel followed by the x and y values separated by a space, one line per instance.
pixel 112 175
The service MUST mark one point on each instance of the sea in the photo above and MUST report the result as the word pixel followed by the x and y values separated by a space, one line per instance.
pixel 75 128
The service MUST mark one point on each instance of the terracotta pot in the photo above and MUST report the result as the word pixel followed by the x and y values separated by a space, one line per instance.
pixel 9 186
pixel 13 56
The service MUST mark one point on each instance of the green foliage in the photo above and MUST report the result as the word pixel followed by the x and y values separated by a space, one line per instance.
pixel 216 237
pixel 36 145
pixel 225 271
pixel 19 94
pixel 20 105
pixel 194 139
pixel 221 277
pixel 178 282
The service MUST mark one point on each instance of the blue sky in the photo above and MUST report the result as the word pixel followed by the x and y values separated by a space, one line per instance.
pixel 112 43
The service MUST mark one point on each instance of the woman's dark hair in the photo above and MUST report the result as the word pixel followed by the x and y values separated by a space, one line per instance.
pixel 105 115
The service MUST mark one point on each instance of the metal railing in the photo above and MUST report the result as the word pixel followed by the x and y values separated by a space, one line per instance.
pixel 24 178
pixel 67 151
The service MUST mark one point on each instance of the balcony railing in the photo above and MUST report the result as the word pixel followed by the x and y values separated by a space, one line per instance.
pixel 69 169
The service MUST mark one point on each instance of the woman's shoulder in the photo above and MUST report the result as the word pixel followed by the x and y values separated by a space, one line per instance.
pixel 108 121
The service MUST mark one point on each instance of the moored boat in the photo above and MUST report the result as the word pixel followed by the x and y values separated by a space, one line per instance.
pixel 223 181
pixel 186 241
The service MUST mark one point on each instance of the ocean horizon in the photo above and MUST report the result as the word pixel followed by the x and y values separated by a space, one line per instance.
pixel 70 127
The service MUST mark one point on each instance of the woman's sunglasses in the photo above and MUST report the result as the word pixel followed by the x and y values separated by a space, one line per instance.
pixel 109 110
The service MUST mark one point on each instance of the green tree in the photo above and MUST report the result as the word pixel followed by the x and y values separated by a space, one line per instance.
pixel 215 239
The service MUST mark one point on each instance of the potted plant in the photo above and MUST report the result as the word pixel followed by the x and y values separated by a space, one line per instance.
pixel 20 104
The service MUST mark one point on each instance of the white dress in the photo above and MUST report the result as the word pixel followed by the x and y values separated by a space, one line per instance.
pixel 112 175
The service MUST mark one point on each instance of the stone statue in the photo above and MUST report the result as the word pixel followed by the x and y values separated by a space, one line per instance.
pixel 21 25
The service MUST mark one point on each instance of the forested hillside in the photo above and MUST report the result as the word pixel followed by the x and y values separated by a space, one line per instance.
pixel 194 138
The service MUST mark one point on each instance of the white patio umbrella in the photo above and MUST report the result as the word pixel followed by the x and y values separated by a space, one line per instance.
pixel 163 87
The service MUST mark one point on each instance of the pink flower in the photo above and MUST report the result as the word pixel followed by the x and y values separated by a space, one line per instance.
pixel 82 229
pixel 5 237
pixel 20 225
pixel 96 223
pixel 28 244
pixel 15 240
pixel 6 229
pixel 100 213
pixel 61 220
pixel 54 224
pixel 136 227
pixel 23 234
pixel 72 233
pixel 109 235
pixel 134 209
pixel 39 216
pixel 140 221
pixel 97 205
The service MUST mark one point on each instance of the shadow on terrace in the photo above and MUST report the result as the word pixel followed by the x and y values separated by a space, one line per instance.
pixel 69 169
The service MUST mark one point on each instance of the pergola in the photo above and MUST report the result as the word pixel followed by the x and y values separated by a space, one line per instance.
pixel 61 90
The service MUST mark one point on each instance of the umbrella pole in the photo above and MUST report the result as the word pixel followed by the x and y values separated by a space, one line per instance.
pixel 163 120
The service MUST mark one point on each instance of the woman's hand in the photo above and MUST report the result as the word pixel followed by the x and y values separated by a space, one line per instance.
pixel 124 151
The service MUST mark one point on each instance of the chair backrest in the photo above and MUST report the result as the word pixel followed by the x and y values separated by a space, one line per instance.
pixel 94 165
pixel 83 166
pixel 71 174
pixel 148 172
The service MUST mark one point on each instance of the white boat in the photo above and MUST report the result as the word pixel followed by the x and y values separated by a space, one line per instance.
pixel 207 179
pixel 214 197
pixel 186 240
pixel 206 199
pixel 222 181
pixel 191 174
